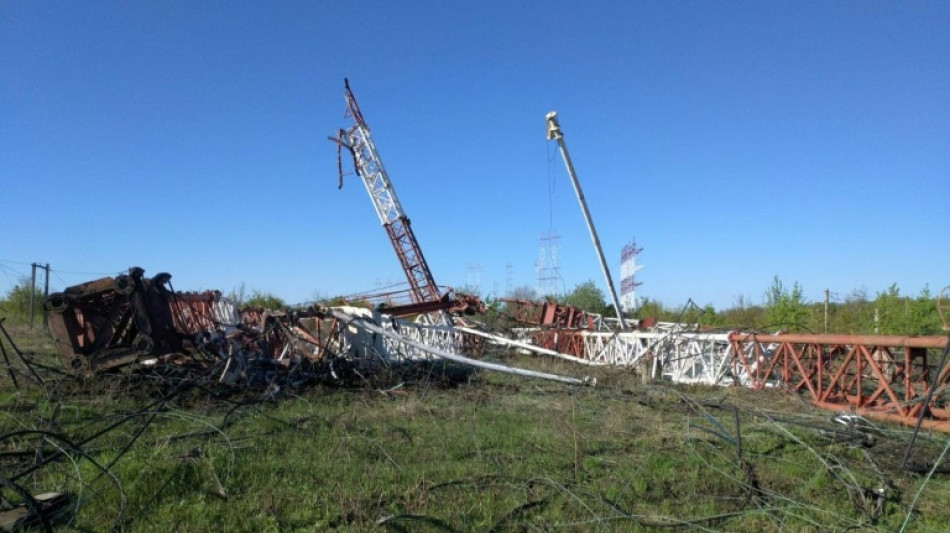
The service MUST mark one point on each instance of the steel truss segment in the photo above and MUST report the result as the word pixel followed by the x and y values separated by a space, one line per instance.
pixel 422 285
pixel 369 167
pixel 679 356
pixel 880 376
pixel 361 344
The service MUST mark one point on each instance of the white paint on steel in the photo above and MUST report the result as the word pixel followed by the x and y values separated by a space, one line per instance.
pixel 367 325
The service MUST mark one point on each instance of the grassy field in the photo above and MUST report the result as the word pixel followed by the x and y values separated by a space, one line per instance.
pixel 492 453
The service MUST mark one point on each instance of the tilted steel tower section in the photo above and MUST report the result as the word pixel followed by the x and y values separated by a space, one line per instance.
pixel 370 169
pixel 554 133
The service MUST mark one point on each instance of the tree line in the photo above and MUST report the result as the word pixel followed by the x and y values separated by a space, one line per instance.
pixel 784 308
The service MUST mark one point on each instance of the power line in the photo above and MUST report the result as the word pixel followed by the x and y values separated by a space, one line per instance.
pixel 72 272
pixel 11 272
pixel 61 280
pixel 69 272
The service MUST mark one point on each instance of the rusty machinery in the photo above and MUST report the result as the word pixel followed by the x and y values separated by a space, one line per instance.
pixel 110 322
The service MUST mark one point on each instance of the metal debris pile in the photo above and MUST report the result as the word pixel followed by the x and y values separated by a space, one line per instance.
pixel 135 321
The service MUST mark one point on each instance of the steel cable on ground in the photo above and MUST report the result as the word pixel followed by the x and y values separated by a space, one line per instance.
pixel 910 510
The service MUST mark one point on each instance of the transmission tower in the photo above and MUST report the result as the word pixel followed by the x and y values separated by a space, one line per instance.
pixel 473 281
pixel 548 268
pixel 628 271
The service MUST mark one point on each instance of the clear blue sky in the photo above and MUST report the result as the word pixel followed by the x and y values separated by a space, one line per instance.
pixel 735 141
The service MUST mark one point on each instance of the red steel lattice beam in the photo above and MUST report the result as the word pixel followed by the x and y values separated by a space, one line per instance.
pixel 885 377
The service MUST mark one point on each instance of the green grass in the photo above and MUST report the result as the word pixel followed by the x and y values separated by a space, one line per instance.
pixel 494 454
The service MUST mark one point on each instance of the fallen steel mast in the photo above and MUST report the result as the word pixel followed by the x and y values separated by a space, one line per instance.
pixel 554 133
pixel 369 167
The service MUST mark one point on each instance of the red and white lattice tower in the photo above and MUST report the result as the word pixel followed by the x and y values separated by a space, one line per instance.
pixel 628 270
pixel 369 167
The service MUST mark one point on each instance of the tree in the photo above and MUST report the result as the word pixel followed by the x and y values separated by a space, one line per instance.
pixel 889 311
pixel 786 308
pixel 265 300
pixel 16 303
pixel 588 297
pixel 523 292
pixel 742 314
pixel 650 308
pixel 923 318
pixel 901 315
pixel 855 315
pixel 709 317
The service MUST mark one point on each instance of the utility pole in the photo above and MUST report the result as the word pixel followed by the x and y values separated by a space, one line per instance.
pixel 45 296
pixel 827 296
pixel 32 292
pixel 554 133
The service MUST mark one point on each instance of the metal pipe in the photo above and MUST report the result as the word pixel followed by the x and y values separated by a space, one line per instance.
pixel 526 346
pixel 32 292
pixel 554 132
pixel 45 296
pixel 892 341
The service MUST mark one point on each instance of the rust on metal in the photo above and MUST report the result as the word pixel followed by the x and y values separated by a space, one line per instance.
pixel 110 322
pixel 887 377
pixel 550 314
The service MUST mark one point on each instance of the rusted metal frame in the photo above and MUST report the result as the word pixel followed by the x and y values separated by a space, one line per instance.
pixel 845 381
pixel 186 315
pixel 943 376
pixel 443 303
pixel 369 167
pixel 562 341
pixel 112 321
pixel 886 370
pixel 165 336
pixel 884 387
pixel 858 378
pixel 835 383
pixel 742 361
pixel 139 307
pixel 334 327
pixel 910 389
pixel 352 108
pixel 413 262
pixel 83 322
pixel 118 320
pixel 838 388
pixel 777 357
pixel 552 314
pixel 890 341
pixel 805 375
pixel 193 312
